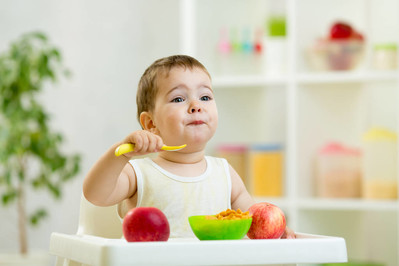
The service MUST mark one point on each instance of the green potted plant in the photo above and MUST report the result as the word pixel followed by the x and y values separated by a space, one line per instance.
pixel 31 155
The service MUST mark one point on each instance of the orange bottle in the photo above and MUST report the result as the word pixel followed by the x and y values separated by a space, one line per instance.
pixel 236 155
pixel 266 168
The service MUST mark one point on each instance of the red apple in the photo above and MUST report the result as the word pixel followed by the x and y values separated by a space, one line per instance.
pixel 340 30
pixel 145 224
pixel 268 221
pixel 357 36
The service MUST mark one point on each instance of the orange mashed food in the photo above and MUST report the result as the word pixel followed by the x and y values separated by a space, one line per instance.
pixel 230 215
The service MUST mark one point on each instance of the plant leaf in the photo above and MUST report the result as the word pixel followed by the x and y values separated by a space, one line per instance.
pixel 37 216
pixel 9 197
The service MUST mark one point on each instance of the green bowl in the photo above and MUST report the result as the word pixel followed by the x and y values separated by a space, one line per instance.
pixel 208 229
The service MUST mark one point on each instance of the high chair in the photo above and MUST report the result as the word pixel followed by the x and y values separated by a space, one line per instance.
pixel 98 221
pixel 98 242
pixel 95 221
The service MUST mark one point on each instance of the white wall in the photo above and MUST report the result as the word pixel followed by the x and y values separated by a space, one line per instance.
pixel 107 45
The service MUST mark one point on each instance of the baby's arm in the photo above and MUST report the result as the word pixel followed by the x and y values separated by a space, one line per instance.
pixel 112 179
pixel 240 197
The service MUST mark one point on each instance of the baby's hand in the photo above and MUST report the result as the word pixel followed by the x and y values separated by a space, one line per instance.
pixel 288 233
pixel 144 141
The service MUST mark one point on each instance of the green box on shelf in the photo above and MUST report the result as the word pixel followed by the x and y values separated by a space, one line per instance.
pixel 276 26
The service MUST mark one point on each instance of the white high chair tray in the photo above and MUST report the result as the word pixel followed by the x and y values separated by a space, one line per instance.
pixel 91 250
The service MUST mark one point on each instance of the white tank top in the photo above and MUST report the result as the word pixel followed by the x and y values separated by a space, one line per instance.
pixel 179 197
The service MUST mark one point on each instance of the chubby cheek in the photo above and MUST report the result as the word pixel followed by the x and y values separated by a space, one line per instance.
pixel 168 124
pixel 215 119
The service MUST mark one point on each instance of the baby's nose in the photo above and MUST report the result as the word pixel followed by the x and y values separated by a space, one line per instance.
pixel 194 107
pixel 194 110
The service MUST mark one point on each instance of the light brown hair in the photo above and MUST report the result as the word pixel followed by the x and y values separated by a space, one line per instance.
pixel 147 88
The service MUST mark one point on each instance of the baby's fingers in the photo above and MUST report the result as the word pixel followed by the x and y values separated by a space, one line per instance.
pixel 158 142
pixel 147 143
pixel 155 143
pixel 141 143
pixel 288 233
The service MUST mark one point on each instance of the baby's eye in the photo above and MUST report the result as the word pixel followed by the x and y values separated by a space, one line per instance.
pixel 206 98
pixel 178 100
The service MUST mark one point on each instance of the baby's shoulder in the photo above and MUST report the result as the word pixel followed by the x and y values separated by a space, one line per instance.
pixel 139 161
pixel 219 160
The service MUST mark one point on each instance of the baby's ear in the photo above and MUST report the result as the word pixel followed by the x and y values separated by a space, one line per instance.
pixel 147 122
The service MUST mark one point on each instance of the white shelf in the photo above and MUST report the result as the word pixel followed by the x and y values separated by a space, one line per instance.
pixel 333 204
pixel 238 81
pixel 348 204
pixel 347 77
pixel 282 202
pixel 248 81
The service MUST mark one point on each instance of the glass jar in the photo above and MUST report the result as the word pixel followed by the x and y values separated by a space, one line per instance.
pixel 385 56
pixel 380 164
pixel 338 171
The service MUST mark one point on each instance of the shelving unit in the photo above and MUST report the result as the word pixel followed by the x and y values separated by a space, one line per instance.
pixel 299 98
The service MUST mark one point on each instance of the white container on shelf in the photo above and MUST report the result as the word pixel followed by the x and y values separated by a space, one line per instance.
pixel 275 45
pixel 380 164
pixel 275 59
pixel 338 172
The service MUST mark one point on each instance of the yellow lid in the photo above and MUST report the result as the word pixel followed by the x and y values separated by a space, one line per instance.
pixel 376 134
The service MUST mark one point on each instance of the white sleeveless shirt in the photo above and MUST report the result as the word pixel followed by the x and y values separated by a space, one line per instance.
pixel 179 197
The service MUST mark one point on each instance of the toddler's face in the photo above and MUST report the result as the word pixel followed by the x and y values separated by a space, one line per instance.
pixel 185 109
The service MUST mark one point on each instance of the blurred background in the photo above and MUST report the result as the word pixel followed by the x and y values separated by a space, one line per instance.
pixel 307 94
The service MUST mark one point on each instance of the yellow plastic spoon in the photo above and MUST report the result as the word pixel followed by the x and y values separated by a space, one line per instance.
pixel 128 147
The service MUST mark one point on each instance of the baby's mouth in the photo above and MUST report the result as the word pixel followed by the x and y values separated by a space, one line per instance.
pixel 196 123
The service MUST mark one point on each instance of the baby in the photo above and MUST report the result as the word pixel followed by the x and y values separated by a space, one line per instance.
pixel 175 106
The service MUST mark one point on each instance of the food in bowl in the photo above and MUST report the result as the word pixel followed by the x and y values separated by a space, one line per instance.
pixel 230 215
pixel 343 49
pixel 227 225
pixel 335 55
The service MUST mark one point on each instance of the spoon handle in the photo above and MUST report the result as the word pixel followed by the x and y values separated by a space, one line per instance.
pixel 128 147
